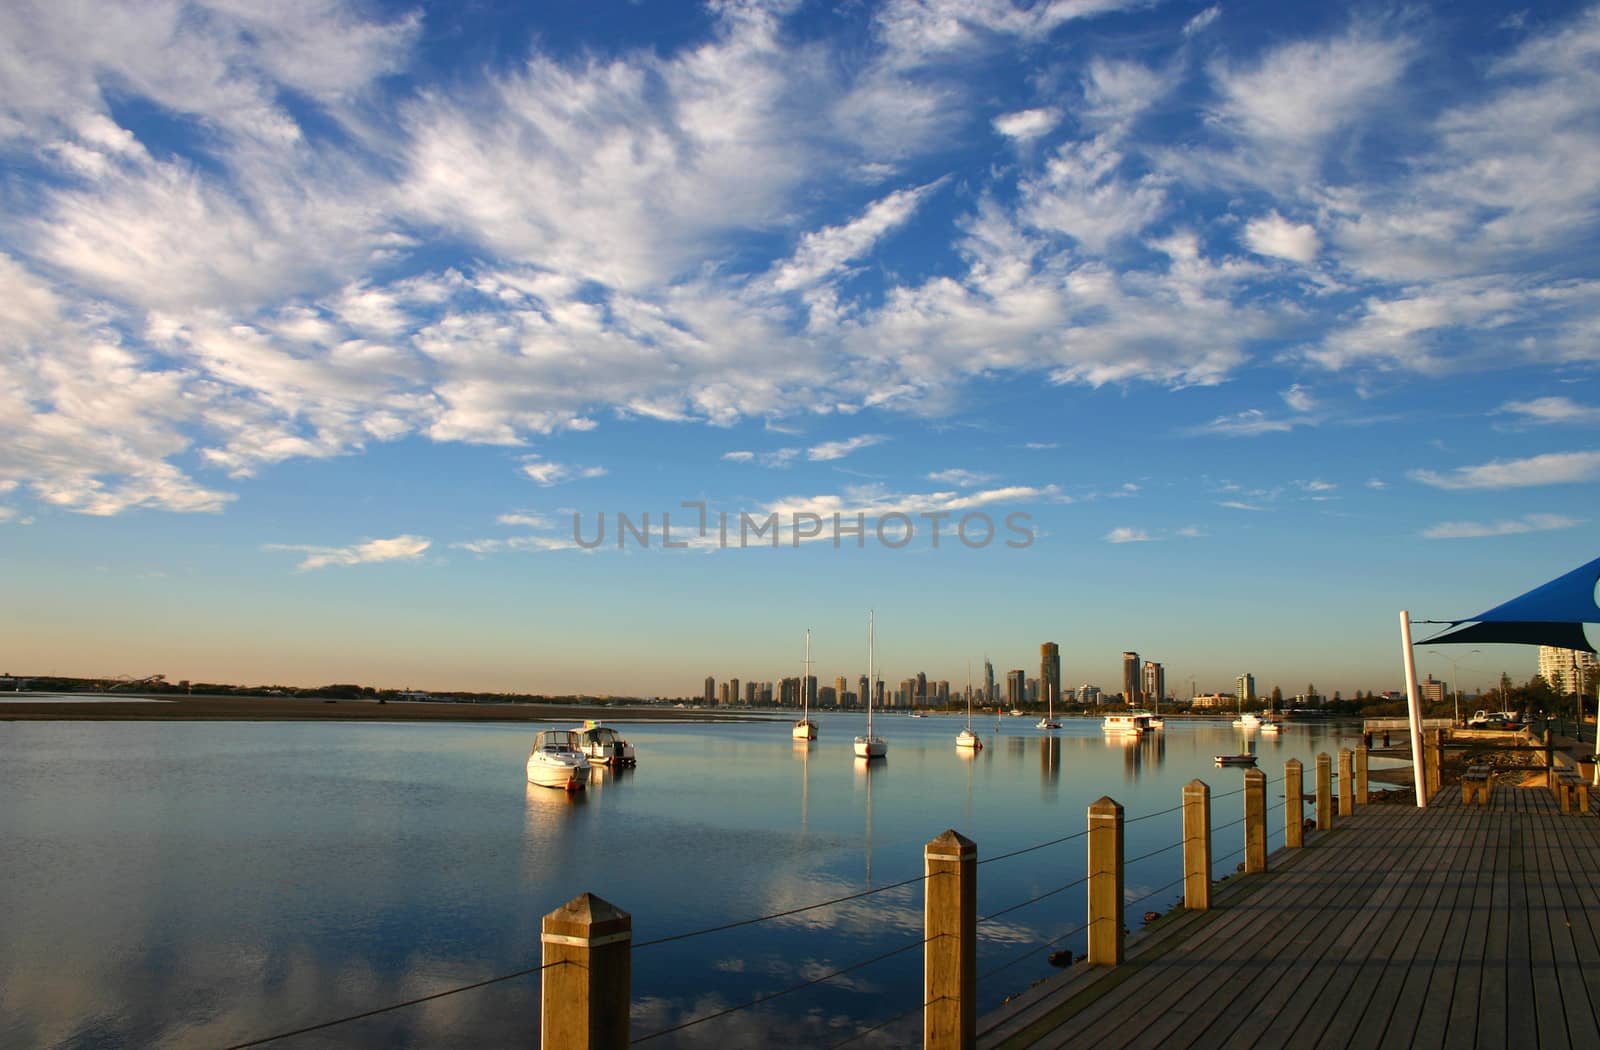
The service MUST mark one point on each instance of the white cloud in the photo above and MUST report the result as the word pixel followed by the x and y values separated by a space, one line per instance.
pixel 398 548
pixel 1552 468
pixel 739 456
pixel 1376 483
pixel 1552 410
pixel 1316 486
pixel 1278 237
pixel 532 521
pixel 960 476
pixel 1299 398
pixel 831 450
pixel 1202 20
pixel 1234 504
pixel 546 472
pixel 1250 423
pixel 824 252
pixel 1042 444
pixel 7 513
pixel 1124 534
pixel 1027 124
pixel 1457 530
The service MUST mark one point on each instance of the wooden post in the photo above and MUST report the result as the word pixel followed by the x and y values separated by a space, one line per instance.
pixel 1197 846
pixel 1324 792
pixel 1255 821
pixel 588 945
pixel 1361 776
pixel 1430 763
pixel 1294 805
pixel 1549 758
pixel 1347 782
pixel 1105 882
pixel 950 958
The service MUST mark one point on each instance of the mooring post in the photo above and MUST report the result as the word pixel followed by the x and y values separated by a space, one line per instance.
pixel 1294 804
pixel 1255 821
pixel 950 958
pixel 1347 782
pixel 588 945
pixel 1105 882
pixel 1197 845
pixel 1324 791
pixel 1361 776
pixel 1430 763
pixel 1549 758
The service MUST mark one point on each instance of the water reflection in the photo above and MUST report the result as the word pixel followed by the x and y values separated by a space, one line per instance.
pixel 1049 765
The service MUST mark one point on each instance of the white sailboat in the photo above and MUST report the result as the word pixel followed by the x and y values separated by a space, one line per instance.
pixel 871 746
pixel 1049 719
pixel 1246 719
pixel 967 740
pixel 805 729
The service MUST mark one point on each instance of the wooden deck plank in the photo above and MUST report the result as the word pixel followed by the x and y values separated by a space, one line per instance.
pixel 1445 927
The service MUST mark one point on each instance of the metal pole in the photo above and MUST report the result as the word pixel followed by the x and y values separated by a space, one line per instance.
pixel 1415 710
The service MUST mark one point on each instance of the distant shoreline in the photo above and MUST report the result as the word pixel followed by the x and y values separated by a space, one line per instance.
pixel 79 707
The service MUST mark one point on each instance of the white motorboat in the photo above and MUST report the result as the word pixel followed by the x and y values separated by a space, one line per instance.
pixel 1150 720
pixel 1247 720
pixel 1130 724
pixel 805 729
pixel 557 762
pixel 871 746
pixel 1271 727
pixel 602 745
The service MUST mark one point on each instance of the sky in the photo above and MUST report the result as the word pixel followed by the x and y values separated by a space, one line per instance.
pixel 1243 326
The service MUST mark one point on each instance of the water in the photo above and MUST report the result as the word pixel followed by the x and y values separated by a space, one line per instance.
pixel 199 884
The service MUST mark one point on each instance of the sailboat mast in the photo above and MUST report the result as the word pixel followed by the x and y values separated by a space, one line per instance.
pixel 872 681
pixel 805 682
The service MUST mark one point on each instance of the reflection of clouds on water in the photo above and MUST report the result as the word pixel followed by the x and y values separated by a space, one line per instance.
pixel 762 1027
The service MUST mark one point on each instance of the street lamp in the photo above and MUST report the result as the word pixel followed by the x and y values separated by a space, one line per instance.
pixel 1455 679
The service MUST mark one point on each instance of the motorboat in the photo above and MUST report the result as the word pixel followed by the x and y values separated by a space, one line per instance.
pixel 1150 719
pixel 1247 720
pixel 805 729
pixel 1130 724
pixel 604 746
pixel 871 746
pixel 556 761
pixel 1270 727
pixel 1235 760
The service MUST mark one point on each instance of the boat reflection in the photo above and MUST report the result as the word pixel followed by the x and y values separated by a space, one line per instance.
pixel 1049 765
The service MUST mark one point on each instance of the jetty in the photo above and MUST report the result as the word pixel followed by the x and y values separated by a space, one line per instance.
pixel 1458 925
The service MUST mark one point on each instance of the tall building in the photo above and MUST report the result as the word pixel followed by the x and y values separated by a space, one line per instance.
pixel 1246 687
pixel 1050 673
pixel 861 690
pixel 1155 681
pixel 1130 678
pixel 988 680
pixel 1016 684
pixel 722 694
pixel 752 691
pixel 841 687
pixel 1432 690
pixel 1567 670
pixel 733 690
pixel 710 695
pixel 810 687
pixel 921 689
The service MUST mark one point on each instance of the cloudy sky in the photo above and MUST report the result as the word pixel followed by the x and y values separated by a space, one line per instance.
pixel 321 321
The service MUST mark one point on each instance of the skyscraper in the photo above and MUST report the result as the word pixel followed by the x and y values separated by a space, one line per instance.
pixel 710 695
pixel 1015 686
pixel 1155 682
pixel 840 688
pixel 1130 678
pixel 861 690
pixel 988 679
pixel 921 696
pixel 1050 673
pixel 1246 687
pixel 733 691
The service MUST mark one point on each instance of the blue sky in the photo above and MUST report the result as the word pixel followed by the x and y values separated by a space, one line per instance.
pixel 321 321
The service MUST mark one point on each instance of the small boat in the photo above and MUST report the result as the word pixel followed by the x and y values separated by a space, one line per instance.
pixel 1130 724
pixel 1049 719
pixel 603 746
pixel 967 740
pixel 871 746
pixel 1235 760
pixel 1150 720
pixel 805 729
pixel 1271 727
pixel 918 714
pixel 556 761
pixel 1247 720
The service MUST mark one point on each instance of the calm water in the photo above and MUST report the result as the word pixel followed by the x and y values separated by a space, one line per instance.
pixel 198 884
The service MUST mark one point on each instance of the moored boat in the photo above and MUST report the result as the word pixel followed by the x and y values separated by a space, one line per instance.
pixel 603 745
pixel 557 762
pixel 805 729
pixel 1235 760
pixel 1130 724
pixel 872 745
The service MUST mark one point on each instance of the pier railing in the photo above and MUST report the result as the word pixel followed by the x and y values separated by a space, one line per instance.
pixel 586 969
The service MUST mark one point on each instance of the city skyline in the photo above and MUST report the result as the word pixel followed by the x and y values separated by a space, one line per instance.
pixel 332 334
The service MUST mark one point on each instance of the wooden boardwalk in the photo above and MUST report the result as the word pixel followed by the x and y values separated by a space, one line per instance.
pixel 1453 926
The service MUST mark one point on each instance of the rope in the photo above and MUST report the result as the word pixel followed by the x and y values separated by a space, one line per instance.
pixel 779 914
pixel 1030 849
pixel 1033 900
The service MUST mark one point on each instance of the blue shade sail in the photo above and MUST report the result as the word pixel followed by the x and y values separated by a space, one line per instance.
pixel 1551 614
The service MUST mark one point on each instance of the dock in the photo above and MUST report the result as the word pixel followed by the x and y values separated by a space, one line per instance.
pixel 1451 926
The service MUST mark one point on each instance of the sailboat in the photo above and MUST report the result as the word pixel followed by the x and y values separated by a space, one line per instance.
pixel 871 746
pixel 805 729
pixel 1049 719
pixel 1246 719
pixel 967 739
